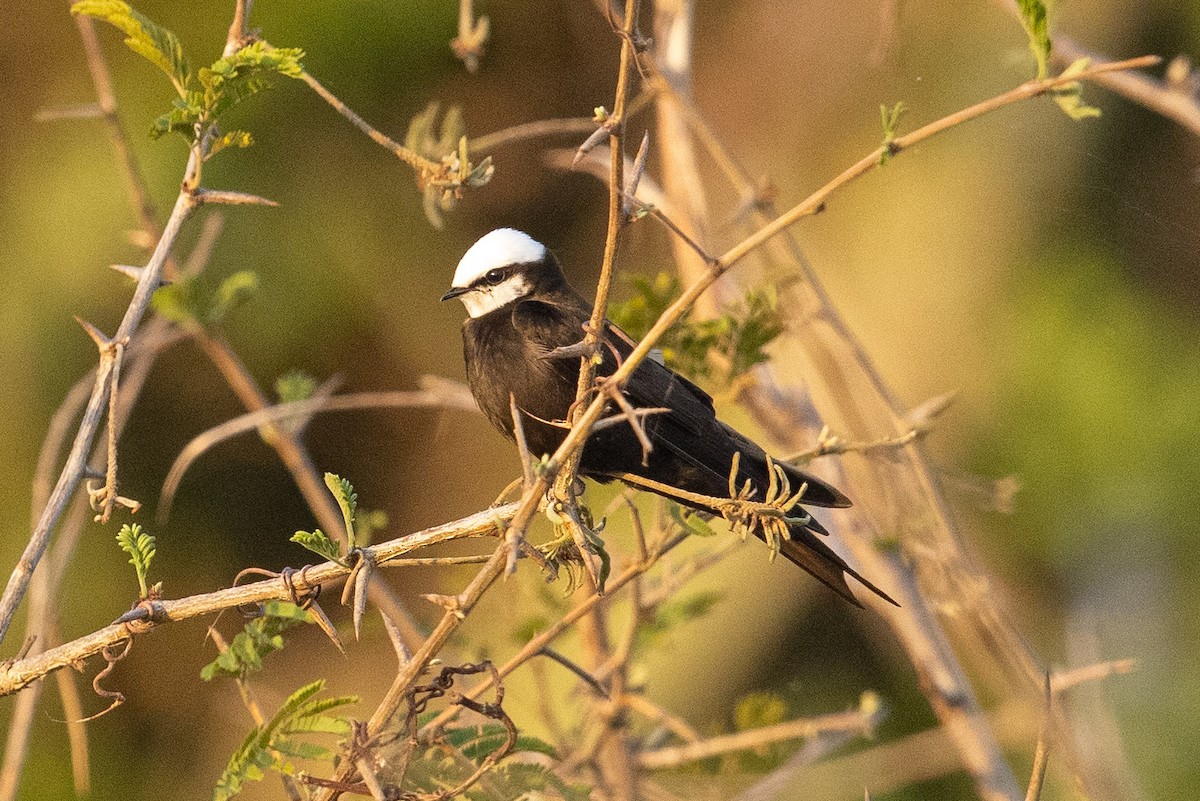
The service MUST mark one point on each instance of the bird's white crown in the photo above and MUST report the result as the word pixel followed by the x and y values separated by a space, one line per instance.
pixel 500 248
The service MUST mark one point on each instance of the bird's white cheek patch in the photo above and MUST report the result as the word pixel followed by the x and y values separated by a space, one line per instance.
pixel 487 299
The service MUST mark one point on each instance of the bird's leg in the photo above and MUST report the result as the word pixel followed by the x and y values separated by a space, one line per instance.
pixel 582 349
pixel 573 523
pixel 579 350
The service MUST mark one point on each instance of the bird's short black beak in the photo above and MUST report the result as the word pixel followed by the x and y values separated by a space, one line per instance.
pixel 455 291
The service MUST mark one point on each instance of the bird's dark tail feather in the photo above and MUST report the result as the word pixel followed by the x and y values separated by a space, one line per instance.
pixel 806 550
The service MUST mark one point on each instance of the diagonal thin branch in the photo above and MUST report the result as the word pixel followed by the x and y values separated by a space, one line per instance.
pixel 72 472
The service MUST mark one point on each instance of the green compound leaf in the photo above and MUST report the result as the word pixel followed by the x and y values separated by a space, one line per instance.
pixel 477 742
pixel 230 80
pixel 182 117
pixel 343 493
pixel 739 337
pixel 319 543
pixel 431 770
pixel 141 549
pixel 149 40
pixel 260 637
pixel 272 746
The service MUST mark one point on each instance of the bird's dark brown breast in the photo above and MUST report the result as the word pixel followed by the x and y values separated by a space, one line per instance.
pixel 500 360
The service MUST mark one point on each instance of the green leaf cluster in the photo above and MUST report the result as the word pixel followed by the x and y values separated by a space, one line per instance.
pixel 261 636
pixel 273 746
pixel 192 301
pixel 141 549
pixel 223 85
pixel 1035 20
pixel 212 91
pixel 321 543
pixel 738 338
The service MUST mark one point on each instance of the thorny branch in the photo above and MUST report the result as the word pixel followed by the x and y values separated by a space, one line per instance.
pixel 909 600
pixel 576 436
pixel 586 417
pixel 16 674
pixel 73 470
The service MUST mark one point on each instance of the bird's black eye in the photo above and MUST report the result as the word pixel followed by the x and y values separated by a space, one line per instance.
pixel 494 276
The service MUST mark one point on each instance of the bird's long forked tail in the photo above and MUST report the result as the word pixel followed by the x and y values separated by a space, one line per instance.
pixel 807 551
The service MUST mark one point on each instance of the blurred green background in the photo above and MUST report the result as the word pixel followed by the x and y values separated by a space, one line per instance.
pixel 1044 269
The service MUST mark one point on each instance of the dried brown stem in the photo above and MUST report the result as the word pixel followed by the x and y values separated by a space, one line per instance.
pixel 858 722
pixel 412 159
pixel 255 420
pixel 540 641
pixel 656 714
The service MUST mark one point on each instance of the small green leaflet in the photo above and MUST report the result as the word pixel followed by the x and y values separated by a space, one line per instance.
pixel 192 300
pixel 232 292
pixel 1069 97
pixel 319 543
pixel 690 521
pixel 890 118
pixel 239 139
pixel 1033 20
pixel 295 385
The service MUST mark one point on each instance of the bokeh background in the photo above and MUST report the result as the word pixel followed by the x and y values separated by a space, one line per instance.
pixel 1044 270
